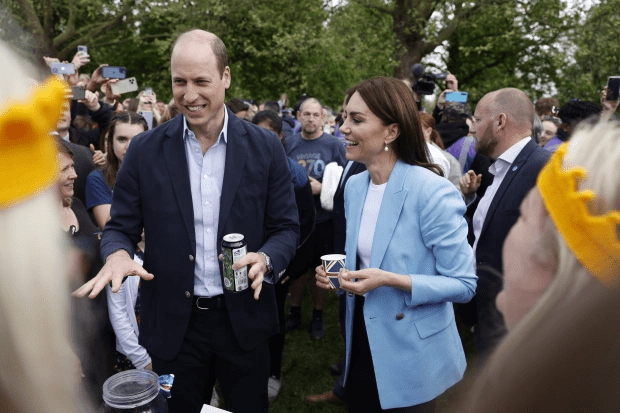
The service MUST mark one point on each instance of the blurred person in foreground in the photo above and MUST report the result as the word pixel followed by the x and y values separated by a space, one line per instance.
pixel 563 251
pixel 188 183
pixel 406 263
pixel 38 371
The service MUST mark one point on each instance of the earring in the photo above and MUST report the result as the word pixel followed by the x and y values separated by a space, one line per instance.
pixel 386 148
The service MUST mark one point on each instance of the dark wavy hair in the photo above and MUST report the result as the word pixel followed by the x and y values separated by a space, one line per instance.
pixel 393 102
pixel 113 164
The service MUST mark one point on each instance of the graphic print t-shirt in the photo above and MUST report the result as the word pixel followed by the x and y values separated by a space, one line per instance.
pixel 313 156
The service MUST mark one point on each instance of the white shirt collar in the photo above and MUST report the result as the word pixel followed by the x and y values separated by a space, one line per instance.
pixel 511 154
pixel 223 133
pixel 508 157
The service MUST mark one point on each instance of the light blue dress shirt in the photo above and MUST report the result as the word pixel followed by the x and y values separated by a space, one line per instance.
pixel 206 177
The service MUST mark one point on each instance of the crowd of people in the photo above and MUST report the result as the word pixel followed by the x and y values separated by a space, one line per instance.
pixel 500 218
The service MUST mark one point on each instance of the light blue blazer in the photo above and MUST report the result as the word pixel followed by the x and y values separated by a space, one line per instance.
pixel 420 232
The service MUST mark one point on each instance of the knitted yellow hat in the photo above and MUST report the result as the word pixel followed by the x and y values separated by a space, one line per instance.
pixel 592 239
pixel 28 154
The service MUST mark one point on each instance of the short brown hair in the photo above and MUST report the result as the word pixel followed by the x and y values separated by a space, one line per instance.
pixel 217 45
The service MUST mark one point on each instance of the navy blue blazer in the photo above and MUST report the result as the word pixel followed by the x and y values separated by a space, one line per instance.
pixel 338 216
pixel 153 192
pixel 502 215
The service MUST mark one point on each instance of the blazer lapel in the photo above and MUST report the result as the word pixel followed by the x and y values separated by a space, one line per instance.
pixel 515 168
pixel 354 217
pixel 176 163
pixel 236 151
pixel 389 212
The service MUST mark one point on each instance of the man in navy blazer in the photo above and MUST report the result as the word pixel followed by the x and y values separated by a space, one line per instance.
pixel 502 126
pixel 172 180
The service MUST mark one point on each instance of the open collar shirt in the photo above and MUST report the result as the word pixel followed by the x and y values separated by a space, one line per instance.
pixel 499 169
pixel 206 176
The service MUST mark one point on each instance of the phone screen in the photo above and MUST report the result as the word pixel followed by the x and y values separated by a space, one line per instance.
pixel 613 88
pixel 460 97
pixel 114 72
pixel 83 49
pixel 63 68
pixel 78 92
pixel 148 91
pixel 148 116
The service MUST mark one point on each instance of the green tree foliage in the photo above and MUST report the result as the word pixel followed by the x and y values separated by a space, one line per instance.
pixel 510 43
pixel 592 53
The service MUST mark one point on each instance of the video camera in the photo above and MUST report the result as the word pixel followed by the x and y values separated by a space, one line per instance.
pixel 424 83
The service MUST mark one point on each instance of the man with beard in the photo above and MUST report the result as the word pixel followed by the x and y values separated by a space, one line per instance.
pixel 502 127
pixel 313 150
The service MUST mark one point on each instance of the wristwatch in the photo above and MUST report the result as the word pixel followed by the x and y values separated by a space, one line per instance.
pixel 269 265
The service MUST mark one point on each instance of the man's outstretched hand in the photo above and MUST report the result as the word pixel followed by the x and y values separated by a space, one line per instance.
pixel 118 266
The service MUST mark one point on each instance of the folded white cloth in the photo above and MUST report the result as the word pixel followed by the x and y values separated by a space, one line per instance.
pixel 331 179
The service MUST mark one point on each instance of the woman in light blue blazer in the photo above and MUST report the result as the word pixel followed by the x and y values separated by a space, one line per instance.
pixel 407 238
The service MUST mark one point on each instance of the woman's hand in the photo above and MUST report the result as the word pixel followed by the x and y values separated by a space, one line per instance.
pixel 321 278
pixel 367 279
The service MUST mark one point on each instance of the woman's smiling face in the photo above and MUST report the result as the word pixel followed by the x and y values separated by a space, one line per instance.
pixel 365 133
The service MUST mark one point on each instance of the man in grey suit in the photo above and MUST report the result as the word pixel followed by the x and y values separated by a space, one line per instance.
pixel 502 127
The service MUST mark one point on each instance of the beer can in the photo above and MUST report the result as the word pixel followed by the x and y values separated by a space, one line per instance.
pixel 234 248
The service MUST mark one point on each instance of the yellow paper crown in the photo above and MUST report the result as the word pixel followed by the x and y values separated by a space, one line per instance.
pixel 592 239
pixel 28 154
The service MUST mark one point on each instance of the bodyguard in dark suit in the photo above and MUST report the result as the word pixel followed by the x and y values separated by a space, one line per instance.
pixel 188 183
pixel 503 124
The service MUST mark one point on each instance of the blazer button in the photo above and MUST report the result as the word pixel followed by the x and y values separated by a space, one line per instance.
pixel 400 316
pixel 191 258
pixel 187 294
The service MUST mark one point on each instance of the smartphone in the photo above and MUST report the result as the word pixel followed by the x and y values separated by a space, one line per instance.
pixel 148 91
pixel 78 92
pixel 460 97
pixel 83 49
pixel 124 86
pixel 114 72
pixel 334 281
pixel 149 118
pixel 613 87
pixel 63 68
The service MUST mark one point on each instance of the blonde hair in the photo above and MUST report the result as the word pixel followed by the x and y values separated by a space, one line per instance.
pixel 36 372
pixel 596 148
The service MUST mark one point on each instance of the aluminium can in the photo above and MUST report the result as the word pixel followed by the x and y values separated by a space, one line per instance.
pixel 234 248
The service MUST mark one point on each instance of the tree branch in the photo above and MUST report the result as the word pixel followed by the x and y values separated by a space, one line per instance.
pixel 385 10
pixel 48 18
pixel 91 32
pixel 32 22
pixel 115 42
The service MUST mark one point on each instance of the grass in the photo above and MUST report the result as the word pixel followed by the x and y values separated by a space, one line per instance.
pixel 305 365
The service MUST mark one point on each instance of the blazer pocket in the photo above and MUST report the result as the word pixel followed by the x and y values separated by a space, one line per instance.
pixel 433 323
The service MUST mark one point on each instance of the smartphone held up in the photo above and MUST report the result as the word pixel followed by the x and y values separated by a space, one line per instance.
pixel 613 88
pixel 114 72
pixel 63 68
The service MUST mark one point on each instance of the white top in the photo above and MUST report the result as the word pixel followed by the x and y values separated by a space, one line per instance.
pixel 499 169
pixel 369 222
pixel 437 157
pixel 123 319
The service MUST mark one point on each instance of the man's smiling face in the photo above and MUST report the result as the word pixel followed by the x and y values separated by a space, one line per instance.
pixel 198 86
